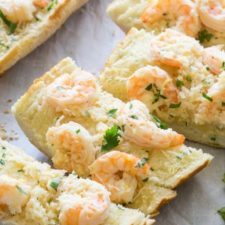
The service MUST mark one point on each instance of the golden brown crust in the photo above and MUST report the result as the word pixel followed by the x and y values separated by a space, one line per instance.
pixel 29 42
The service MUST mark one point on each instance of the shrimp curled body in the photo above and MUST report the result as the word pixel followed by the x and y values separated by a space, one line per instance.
pixel 119 172
pixel 71 92
pixel 182 11
pixel 152 79
pixel 212 14
pixel 72 146
pixel 88 204
pixel 139 129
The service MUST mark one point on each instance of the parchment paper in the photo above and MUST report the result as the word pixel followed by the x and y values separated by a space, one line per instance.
pixel 89 37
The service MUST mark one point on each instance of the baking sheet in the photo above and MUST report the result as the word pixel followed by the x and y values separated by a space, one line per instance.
pixel 88 37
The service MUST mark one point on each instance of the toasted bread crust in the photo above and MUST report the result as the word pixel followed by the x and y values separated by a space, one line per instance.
pixel 43 31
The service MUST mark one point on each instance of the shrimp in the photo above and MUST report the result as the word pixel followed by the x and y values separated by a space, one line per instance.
pixel 214 58
pixel 13 195
pixel 119 172
pixel 212 14
pixel 88 204
pixel 72 146
pixel 171 48
pixel 152 80
pixel 17 11
pixel 41 3
pixel 71 92
pixel 213 106
pixel 142 131
pixel 184 12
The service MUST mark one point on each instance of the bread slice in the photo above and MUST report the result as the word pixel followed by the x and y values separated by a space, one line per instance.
pixel 30 34
pixel 42 205
pixel 135 53
pixel 128 14
pixel 169 167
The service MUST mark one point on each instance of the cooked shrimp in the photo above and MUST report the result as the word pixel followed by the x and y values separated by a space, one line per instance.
pixel 152 80
pixel 174 49
pixel 212 14
pixel 143 132
pixel 72 146
pixel 13 195
pixel 17 11
pixel 119 172
pixel 71 92
pixel 214 103
pixel 41 3
pixel 184 12
pixel 214 58
pixel 88 204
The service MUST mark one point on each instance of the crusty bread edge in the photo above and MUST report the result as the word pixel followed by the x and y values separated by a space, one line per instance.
pixel 29 42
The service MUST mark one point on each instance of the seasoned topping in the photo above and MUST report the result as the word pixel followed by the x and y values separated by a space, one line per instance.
pixel 120 172
pixel 204 36
pixel 73 147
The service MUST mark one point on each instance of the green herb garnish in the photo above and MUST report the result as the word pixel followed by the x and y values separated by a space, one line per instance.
pixel 77 131
pixel 52 5
pixel 174 105
pixel 134 117
pixel 222 213
pixel 156 92
pixel 111 138
pixel 2 162
pixel 223 103
pixel 159 123
pixel 223 65
pixel 179 83
pixel 207 97
pixel 223 178
pixel 204 36
pixel 213 138
pixel 142 162
pixel 12 26
pixel 55 183
pixel 112 112
pixel 20 171
pixel 20 190
pixel 188 78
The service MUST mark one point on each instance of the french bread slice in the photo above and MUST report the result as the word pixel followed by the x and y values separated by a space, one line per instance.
pixel 31 34
pixel 169 167
pixel 34 181
pixel 128 13
pixel 135 53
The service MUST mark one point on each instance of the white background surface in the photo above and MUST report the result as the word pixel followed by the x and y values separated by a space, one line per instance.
pixel 89 36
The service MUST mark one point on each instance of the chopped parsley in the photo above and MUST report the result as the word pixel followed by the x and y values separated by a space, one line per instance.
pixel 20 190
pixel 222 213
pixel 156 92
pixel 2 162
pixel 134 117
pixel 204 95
pixel 20 171
pixel 52 5
pixel 145 180
pixel 223 65
pixel 111 138
pixel 112 112
pixel 78 131
pixel 142 162
pixel 179 83
pixel 213 138
pixel 159 123
pixel 55 183
pixel 12 26
pixel 223 104
pixel 188 78
pixel 204 36
pixel 224 178
pixel 174 105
